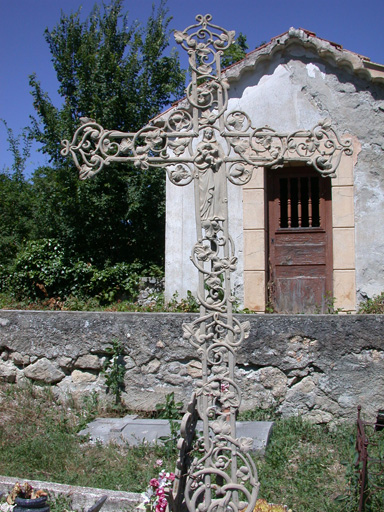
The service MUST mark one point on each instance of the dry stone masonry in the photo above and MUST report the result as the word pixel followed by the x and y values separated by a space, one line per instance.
pixel 320 366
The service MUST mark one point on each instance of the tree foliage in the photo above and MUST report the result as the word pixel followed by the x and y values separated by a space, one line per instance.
pixel 117 73
pixel 235 52
pixel 16 202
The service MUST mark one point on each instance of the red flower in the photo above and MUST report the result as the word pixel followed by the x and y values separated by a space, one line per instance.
pixel 162 502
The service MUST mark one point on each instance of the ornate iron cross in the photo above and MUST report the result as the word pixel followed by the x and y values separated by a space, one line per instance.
pixel 199 141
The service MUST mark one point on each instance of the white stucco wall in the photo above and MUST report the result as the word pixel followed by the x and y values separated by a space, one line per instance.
pixel 288 94
pixel 180 273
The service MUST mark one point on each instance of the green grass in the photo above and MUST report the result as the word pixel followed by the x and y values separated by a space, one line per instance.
pixel 302 466
pixel 305 466
pixel 38 440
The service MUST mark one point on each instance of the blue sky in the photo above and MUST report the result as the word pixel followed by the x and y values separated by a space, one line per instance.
pixel 356 25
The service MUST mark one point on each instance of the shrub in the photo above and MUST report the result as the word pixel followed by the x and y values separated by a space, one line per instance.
pixel 43 269
pixel 374 306
pixel 39 270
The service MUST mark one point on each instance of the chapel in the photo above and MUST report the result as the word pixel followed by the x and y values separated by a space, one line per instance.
pixel 305 243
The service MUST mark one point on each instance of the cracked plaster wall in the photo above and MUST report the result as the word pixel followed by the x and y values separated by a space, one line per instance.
pixel 294 91
pixel 320 366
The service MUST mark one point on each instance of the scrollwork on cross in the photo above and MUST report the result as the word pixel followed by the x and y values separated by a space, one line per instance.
pixel 200 142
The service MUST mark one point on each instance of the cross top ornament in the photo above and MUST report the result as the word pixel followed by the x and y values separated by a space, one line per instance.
pixel 199 141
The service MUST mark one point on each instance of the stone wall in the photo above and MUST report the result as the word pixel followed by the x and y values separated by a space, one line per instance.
pixel 321 366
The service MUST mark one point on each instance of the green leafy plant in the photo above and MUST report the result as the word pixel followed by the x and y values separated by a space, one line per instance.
pixel 171 411
pixel 372 306
pixel 329 303
pixel 114 369
pixel 88 411
pixel 45 270
pixel 39 270
pixel 170 442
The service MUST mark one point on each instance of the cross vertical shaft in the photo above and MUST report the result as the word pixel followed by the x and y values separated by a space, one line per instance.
pixel 199 141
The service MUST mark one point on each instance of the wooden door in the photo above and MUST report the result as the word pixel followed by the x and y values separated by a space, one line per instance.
pixel 300 250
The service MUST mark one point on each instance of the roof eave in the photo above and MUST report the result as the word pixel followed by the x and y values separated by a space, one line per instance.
pixel 327 50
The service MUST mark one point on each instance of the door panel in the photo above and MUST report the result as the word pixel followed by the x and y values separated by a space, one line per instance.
pixel 300 252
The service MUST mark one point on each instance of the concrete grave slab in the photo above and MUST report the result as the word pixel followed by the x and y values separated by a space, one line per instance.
pixel 135 430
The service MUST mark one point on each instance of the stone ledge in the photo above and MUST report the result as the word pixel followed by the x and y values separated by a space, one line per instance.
pixel 82 497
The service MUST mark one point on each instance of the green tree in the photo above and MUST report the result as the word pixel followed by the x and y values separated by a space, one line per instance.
pixel 235 52
pixel 16 202
pixel 116 73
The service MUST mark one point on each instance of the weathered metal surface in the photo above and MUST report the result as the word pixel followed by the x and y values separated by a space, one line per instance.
pixel 200 142
pixel 370 469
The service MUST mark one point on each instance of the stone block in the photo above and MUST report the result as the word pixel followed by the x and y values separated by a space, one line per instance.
pixel 343 211
pixel 254 290
pixel 79 377
pixel 152 366
pixel 8 371
pixel 195 369
pixel 344 174
pixel 88 362
pixel 44 371
pixel 19 359
pixel 254 250
pixel 253 209
pixel 343 249
pixel 65 362
pixel 129 362
pixel 344 289
pixel 257 180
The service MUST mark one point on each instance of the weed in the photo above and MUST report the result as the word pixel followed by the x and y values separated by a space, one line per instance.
pixel 170 410
pixel 259 414
pixel 170 442
pixel 329 303
pixel 350 498
pixel 301 466
pixel 88 410
pixel 114 369
pixel 373 306
pixel 60 503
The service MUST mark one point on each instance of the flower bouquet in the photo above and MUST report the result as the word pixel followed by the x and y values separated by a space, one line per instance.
pixel 156 497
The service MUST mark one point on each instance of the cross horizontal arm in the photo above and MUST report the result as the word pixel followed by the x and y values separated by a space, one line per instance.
pixel 92 147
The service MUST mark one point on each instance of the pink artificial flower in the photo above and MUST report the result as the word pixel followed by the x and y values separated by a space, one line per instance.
pixel 171 477
pixel 159 462
pixel 162 502
pixel 160 491
pixel 224 387
pixel 154 483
